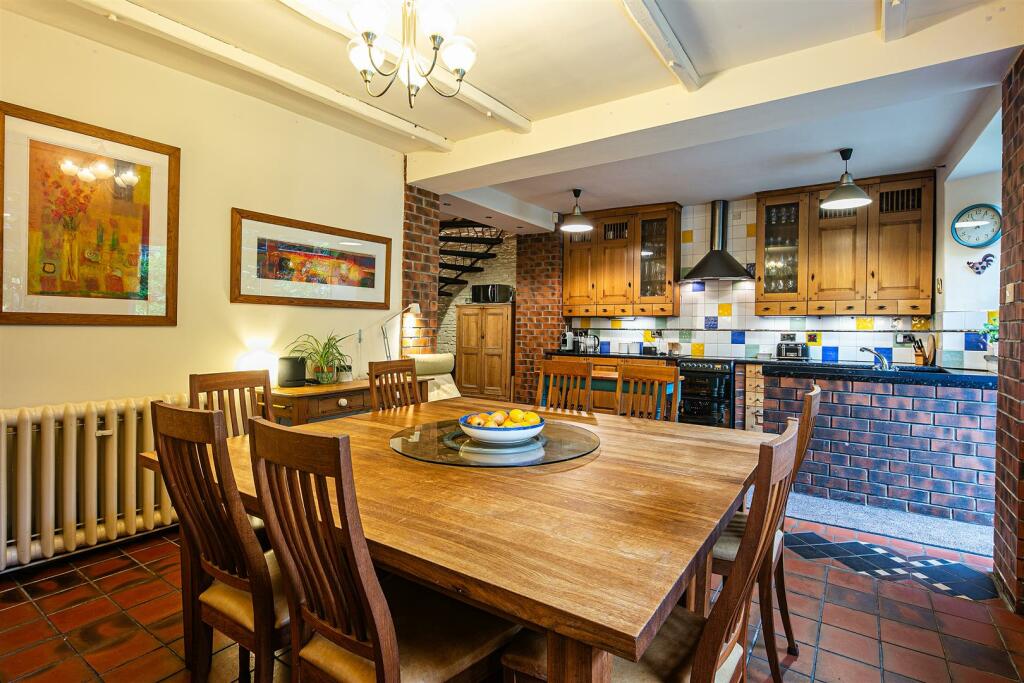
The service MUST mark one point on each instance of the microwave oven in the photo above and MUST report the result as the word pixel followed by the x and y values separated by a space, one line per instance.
pixel 492 294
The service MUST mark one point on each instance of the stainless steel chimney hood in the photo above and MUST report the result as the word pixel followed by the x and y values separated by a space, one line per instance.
pixel 718 264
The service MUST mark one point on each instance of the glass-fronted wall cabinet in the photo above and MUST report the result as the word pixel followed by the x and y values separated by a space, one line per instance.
pixel 782 249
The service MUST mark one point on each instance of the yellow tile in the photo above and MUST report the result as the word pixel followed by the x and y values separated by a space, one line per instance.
pixel 616 324
pixel 920 322
pixel 724 310
pixel 865 323
pixel 697 350
pixel 814 338
pixel 687 236
pixel 993 316
pixel 585 323
pixel 751 229
pixel 648 336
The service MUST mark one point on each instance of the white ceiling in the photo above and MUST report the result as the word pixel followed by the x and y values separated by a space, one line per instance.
pixel 985 155
pixel 907 137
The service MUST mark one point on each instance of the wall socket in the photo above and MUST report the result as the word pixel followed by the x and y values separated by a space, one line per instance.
pixel 788 336
pixel 905 339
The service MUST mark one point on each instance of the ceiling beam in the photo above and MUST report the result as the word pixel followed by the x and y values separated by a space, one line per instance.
pixel 179 34
pixel 651 21
pixel 894 19
pixel 329 16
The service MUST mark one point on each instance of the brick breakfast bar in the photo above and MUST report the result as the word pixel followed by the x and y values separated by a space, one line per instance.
pixel 920 442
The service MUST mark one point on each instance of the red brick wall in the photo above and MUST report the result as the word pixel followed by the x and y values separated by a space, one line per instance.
pixel 539 318
pixel 1009 543
pixel 420 259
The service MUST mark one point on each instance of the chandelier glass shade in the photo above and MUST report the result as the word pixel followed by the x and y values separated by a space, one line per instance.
pixel 431 18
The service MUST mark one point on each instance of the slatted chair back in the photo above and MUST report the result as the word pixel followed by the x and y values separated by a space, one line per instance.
pixel 812 401
pixel 237 394
pixel 565 385
pixel 192 448
pixel 320 543
pixel 648 391
pixel 393 384
pixel 727 623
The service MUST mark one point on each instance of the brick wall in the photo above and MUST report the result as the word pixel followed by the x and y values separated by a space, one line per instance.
pixel 1009 543
pixel 420 258
pixel 539 318
pixel 915 448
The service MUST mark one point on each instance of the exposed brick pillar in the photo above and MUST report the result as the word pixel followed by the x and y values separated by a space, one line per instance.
pixel 420 259
pixel 1009 541
pixel 539 318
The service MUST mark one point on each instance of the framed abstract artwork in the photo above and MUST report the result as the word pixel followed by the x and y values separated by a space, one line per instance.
pixel 90 231
pixel 276 260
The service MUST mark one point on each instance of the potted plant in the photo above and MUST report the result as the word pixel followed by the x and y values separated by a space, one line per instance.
pixel 990 333
pixel 325 356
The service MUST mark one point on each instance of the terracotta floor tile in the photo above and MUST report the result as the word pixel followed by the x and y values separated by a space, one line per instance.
pixel 852 620
pixel 797 583
pixel 70 670
pixel 168 563
pixel 125 648
pixel 1014 640
pixel 140 593
pixel 178 646
pixel 804 630
pixel 802 663
pixel 944 553
pixel 149 668
pixel 18 615
pixel 849 644
pixel 979 656
pixel 892 677
pixel 168 629
pixel 908 614
pixel 154 610
pixel 69 598
pixel 80 615
pixel 25 635
pixel 804 605
pixel 46 570
pixel 107 567
pixel 833 668
pixel 911 637
pixel 903 592
pixel 960 607
pixel 53 584
pixel 1005 619
pixel 841 535
pixel 153 552
pixel 798 565
pixel 32 659
pixel 916 665
pixel 847 597
pixel 95 555
pixel 858 582
pixel 967 674
pixel 757 672
pixel 12 596
pixel 969 629
pixel 124 579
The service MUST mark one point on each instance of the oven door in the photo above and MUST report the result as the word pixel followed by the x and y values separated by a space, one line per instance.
pixel 706 399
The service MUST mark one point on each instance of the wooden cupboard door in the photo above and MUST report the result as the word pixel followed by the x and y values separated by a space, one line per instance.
pixel 837 244
pixel 579 282
pixel 782 248
pixel 900 240
pixel 615 259
pixel 495 347
pixel 468 333
pixel 656 257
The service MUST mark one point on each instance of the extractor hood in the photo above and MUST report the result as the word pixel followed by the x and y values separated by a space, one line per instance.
pixel 718 264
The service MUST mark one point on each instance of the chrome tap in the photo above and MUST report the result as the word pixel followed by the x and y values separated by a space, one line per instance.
pixel 881 362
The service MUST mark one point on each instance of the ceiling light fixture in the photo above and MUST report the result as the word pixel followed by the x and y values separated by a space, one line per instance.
pixel 576 221
pixel 437 22
pixel 847 195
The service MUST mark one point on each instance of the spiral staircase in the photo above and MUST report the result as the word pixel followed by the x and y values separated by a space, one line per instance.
pixel 464 245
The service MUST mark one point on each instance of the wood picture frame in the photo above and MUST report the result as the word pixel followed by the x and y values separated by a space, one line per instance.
pixel 243 266
pixel 102 278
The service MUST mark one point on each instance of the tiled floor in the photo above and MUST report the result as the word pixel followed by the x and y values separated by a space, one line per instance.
pixel 115 615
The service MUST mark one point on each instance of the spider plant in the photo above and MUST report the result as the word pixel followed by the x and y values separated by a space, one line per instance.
pixel 325 355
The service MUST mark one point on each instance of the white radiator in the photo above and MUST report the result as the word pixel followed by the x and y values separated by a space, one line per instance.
pixel 69 477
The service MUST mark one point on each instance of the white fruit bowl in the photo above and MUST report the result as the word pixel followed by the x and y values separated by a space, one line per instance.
pixel 499 435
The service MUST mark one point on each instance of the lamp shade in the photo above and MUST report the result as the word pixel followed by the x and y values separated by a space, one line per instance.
pixel 577 222
pixel 846 196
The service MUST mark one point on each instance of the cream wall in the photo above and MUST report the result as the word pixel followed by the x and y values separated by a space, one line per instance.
pixel 235 151
pixel 962 289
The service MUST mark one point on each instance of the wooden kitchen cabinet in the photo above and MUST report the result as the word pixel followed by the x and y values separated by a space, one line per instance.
pixel 837 242
pixel 627 265
pixel 782 248
pixel 901 233
pixel 483 353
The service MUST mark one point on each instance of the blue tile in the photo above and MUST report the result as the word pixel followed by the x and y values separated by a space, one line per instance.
pixel 830 354
pixel 885 351
pixel 974 342
pixel 739 337
pixel 752 269
pixel 697 286
pixel 711 322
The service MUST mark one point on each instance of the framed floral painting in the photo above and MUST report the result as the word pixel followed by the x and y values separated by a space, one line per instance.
pixel 90 223
pixel 276 260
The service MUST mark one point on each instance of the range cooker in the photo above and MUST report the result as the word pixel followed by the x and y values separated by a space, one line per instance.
pixel 707 396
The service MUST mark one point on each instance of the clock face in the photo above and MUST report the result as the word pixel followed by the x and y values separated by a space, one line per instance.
pixel 977 226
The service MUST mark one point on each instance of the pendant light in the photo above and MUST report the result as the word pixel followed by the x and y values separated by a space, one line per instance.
pixel 576 221
pixel 847 195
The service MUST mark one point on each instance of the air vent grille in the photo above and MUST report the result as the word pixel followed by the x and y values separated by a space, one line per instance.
pixel 576 237
pixel 616 231
pixel 827 214
pixel 898 201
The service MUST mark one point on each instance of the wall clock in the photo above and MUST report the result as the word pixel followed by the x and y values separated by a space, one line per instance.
pixel 978 225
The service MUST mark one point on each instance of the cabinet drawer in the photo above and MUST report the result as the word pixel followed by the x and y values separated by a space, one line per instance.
pixel 338 405
pixel 588 309
pixel 793 308
pixel 568 311
pixel 849 308
pixel 662 309
pixel 821 308
pixel 770 308
pixel 622 309
pixel 883 308
pixel 915 307
pixel 605 310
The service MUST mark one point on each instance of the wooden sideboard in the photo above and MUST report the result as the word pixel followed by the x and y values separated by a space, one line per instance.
pixel 301 404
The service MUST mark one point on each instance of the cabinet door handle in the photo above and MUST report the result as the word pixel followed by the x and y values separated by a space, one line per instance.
pixel 881 308
pixel 872 275
pixel 914 307
pixel 630 285
pixel 812 277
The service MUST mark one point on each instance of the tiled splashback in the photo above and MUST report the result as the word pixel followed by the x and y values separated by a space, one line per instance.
pixel 717 318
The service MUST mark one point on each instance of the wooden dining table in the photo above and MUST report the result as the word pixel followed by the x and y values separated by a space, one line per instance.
pixel 594 551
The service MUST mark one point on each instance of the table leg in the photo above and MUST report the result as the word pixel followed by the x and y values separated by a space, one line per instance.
pixel 570 661
pixel 698 594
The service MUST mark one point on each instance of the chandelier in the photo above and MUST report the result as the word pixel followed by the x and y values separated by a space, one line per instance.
pixel 431 17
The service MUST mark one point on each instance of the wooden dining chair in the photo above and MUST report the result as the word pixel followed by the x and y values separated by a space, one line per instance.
pixel 345 625
pixel 648 391
pixel 229 582
pixel 565 385
pixel 237 394
pixel 393 384
pixel 689 647
pixel 727 546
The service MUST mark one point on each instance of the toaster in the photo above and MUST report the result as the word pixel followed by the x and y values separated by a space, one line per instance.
pixel 791 350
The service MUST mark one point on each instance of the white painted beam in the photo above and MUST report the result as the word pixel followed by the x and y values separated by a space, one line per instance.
pixel 894 19
pixel 158 25
pixel 500 210
pixel 651 21
pixel 331 16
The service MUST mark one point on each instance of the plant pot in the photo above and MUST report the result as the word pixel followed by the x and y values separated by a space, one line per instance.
pixel 345 375
pixel 325 375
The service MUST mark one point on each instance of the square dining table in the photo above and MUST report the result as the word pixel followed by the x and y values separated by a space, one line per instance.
pixel 593 551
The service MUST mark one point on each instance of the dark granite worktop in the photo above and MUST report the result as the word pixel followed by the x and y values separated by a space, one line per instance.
pixel 861 372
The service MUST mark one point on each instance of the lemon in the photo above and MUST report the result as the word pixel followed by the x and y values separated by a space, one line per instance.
pixel 516 415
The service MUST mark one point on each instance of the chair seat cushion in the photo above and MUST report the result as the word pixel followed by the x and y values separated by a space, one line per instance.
pixel 728 544
pixel 236 604
pixel 438 638
pixel 668 658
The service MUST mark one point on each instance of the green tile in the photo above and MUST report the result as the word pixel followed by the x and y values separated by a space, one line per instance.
pixel 952 359
pixel 798 323
pixel 751 350
pixel 660 323
pixel 685 335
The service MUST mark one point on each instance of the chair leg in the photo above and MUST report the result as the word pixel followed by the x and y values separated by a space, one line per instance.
pixel 780 589
pixel 764 589
pixel 265 663
pixel 243 665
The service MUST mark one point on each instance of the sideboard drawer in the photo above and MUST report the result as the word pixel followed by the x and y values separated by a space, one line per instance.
pixel 341 404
